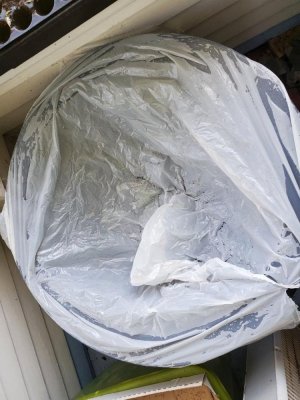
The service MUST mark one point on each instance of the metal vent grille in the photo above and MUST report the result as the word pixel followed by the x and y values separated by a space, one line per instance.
pixel 291 355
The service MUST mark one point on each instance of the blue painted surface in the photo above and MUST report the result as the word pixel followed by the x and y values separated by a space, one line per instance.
pixel 81 360
pixel 296 298
pixel 276 30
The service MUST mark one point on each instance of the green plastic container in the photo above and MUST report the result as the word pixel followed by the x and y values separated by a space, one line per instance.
pixel 123 376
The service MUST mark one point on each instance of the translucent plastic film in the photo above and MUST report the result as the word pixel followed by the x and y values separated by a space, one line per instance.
pixel 153 200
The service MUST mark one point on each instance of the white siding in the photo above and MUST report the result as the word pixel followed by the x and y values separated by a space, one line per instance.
pixel 50 345
pixel 35 362
pixel 20 372
pixel 223 20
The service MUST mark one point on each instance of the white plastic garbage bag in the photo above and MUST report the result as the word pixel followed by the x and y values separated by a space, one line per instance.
pixel 153 200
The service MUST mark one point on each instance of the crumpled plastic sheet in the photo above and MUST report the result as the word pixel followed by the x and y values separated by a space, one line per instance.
pixel 153 200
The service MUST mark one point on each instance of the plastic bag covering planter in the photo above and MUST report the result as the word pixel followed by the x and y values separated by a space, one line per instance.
pixel 153 200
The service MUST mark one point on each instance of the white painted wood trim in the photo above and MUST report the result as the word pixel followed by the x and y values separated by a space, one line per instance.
pixel 13 385
pixel 226 21
pixel 50 346
pixel 19 87
pixel 49 349
pixel 3 395
pixel 63 357
pixel 20 370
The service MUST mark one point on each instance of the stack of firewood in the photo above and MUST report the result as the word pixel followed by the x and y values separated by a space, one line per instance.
pixel 282 56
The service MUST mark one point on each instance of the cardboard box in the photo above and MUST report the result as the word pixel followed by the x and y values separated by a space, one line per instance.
pixel 196 387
